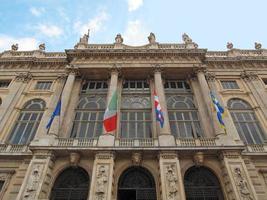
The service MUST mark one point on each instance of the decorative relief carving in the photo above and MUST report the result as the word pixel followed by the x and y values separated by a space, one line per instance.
pixel 137 158
pixel 172 182
pixel 242 184
pixel 229 154
pixel 105 155
pixel 188 42
pixel 210 76
pixel 157 68
pixel 248 76
pixel 24 77
pixel 32 184
pixel 168 155
pixel 101 182
pixel 198 158
pixel 74 159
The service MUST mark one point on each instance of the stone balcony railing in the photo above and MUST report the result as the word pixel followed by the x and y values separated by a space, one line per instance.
pixel 258 148
pixel 14 148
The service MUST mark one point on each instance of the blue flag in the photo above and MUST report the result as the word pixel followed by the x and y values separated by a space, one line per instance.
pixel 219 110
pixel 54 114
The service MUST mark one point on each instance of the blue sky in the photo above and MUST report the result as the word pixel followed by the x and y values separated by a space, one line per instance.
pixel 60 23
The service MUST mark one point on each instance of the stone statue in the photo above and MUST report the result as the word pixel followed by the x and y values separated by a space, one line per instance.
pixel 101 181
pixel 14 47
pixel 85 37
pixel 42 47
pixel 257 45
pixel 118 39
pixel 172 182
pixel 230 45
pixel 242 184
pixel 151 38
pixel 186 39
pixel 33 182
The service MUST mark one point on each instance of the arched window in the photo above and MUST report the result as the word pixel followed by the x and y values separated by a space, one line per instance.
pixel 136 110
pixel 183 116
pixel 246 122
pixel 88 122
pixel 27 122
pixel 71 184
pixel 201 184
pixel 136 183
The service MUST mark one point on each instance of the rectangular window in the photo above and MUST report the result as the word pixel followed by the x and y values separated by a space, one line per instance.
pixel 94 86
pixel 229 85
pixel 4 83
pixel 176 85
pixel 43 85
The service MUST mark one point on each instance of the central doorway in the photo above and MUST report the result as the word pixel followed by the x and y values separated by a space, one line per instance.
pixel 136 183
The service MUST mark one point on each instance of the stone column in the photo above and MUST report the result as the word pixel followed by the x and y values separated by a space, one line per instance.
pixel 15 92
pixel 102 177
pixel 258 91
pixel 236 178
pixel 232 134
pixel 38 174
pixel 109 139
pixel 165 136
pixel 204 87
pixel 170 176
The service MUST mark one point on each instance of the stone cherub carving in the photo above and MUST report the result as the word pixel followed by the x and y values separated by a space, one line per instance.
pixel 85 37
pixel 257 45
pixel 230 45
pixel 101 181
pixel 118 39
pixel 42 47
pixel 172 182
pixel 242 184
pixel 14 47
pixel 151 38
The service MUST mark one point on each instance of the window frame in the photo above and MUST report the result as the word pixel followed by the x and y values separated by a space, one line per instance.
pixel 44 87
pixel 222 81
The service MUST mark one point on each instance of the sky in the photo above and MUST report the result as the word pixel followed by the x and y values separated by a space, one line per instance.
pixel 60 23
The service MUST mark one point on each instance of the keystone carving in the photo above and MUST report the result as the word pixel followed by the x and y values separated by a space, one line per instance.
pixel 172 180
pixel 198 158
pixel 136 158
pixel 101 182
pixel 74 159
pixel 242 184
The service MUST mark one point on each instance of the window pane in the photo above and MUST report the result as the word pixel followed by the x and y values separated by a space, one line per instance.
pixel 132 130
pixel 124 129
pixel 140 130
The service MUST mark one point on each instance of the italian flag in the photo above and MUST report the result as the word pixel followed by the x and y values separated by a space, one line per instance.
pixel 110 116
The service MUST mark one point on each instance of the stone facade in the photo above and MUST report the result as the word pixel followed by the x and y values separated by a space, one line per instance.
pixel 30 170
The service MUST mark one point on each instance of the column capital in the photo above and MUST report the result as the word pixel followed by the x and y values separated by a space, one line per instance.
pixel 71 69
pixel 157 68
pixel 24 77
pixel 62 76
pixel 249 76
pixel 199 69
pixel 210 76
pixel 115 69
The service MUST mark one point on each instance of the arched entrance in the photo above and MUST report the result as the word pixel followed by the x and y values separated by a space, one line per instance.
pixel 202 184
pixel 71 184
pixel 136 183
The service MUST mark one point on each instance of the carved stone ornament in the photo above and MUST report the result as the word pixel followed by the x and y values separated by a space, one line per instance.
pixel 118 39
pixel 101 182
pixel 151 38
pixel 24 76
pixel 230 45
pixel 84 39
pixel 14 47
pixel 172 179
pixel 74 159
pixel 210 76
pixel 257 46
pixel 42 47
pixel 32 184
pixel 248 76
pixel 198 158
pixel 137 158
pixel 242 184
pixel 188 41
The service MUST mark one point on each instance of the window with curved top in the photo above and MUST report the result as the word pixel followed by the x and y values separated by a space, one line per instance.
pixel 27 122
pixel 183 114
pixel 136 110
pixel 88 122
pixel 246 122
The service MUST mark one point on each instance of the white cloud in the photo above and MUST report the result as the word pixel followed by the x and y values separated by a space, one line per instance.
pixel 25 44
pixel 37 11
pixel 135 33
pixel 49 30
pixel 95 24
pixel 134 4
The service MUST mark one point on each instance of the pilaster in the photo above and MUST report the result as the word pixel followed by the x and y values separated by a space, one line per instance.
pixel 38 175
pixel 102 177
pixel 172 187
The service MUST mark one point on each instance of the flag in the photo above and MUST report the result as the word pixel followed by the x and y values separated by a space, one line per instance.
pixel 159 113
pixel 54 114
pixel 110 116
pixel 219 110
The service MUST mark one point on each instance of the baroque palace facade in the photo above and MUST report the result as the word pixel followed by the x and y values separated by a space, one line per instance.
pixel 190 157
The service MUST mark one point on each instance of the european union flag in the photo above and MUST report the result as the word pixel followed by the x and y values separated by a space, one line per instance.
pixel 54 114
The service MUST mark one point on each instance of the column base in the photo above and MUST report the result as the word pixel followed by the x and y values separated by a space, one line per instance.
pixel 106 140
pixel 166 140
